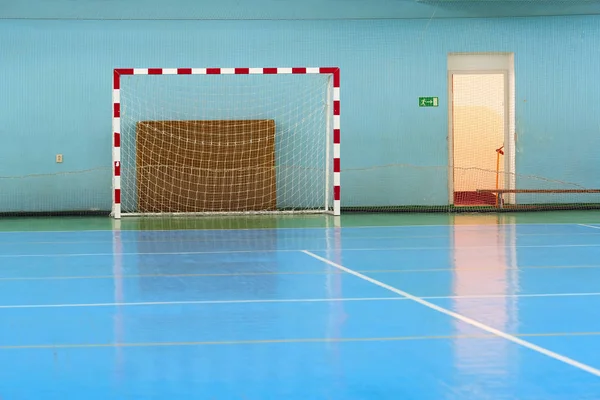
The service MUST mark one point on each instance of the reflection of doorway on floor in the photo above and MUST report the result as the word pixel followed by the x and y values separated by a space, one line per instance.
pixel 478 130
pixel 499 276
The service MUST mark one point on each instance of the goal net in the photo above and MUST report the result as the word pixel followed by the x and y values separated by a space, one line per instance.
pixel 226 141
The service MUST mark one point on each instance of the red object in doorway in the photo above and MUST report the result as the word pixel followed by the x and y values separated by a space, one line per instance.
pixel 474 199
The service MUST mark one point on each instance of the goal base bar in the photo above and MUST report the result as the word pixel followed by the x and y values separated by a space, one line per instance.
pixel 224 213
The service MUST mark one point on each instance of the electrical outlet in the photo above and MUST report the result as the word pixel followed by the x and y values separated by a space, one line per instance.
pixel 59 158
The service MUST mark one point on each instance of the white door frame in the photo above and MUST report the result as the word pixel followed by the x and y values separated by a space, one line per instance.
pixel 477 64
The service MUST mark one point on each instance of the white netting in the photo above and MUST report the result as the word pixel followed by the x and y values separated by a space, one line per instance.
pixel 226 143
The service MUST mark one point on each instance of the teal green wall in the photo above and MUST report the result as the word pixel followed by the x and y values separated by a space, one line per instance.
pixel 56 76
pixel 290 9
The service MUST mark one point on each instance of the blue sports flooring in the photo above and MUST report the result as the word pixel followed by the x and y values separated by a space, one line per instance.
pixel 424 312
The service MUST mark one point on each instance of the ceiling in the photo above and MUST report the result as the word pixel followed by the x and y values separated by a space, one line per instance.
pixel 290 9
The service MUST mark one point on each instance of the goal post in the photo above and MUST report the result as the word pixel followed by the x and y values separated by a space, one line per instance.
pixel 193 141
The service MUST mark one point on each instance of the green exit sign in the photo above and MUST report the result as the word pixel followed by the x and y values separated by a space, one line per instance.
pixel 428 102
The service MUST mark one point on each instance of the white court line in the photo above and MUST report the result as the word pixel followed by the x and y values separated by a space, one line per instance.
pixel 193 240
pixel 182 275
pixel 462 318
pixel 266 301
pixel 541 246
pixel 493 247
pixel 183 253
pixel 590 226
pixel 199 302
pixel 495 226
pixel 502 296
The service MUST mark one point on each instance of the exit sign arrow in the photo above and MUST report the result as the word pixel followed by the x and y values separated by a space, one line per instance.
pixel 428 101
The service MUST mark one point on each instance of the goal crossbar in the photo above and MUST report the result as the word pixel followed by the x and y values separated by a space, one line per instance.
pixel 334 130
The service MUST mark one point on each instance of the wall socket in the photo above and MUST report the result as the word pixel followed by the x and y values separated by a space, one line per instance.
pixel 59 158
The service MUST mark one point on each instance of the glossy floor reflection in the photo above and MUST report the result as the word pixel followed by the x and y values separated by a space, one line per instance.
pixel 246 314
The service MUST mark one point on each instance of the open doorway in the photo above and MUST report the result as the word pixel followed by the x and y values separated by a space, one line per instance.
pixel 481 127
pixel 478 131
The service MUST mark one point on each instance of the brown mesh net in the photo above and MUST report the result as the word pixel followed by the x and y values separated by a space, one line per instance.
pixel 206 166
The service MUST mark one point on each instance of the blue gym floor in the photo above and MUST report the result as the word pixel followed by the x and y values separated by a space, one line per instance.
pixel 409 312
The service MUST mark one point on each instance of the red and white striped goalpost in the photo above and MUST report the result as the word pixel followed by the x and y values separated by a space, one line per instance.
pixel 116 124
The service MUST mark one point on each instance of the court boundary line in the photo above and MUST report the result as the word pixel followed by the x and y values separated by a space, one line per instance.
pixel 305 300
pixel 294 250
pixel 288 273
pixel 589 226
pixel 306 228
pixel 285 341
pixel 463 318
pixel 110 240
pixel 199 302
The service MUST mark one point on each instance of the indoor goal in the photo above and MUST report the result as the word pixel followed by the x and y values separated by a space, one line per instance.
pixel 226 140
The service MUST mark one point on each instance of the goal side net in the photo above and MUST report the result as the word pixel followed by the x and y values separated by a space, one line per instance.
pixel 226 141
